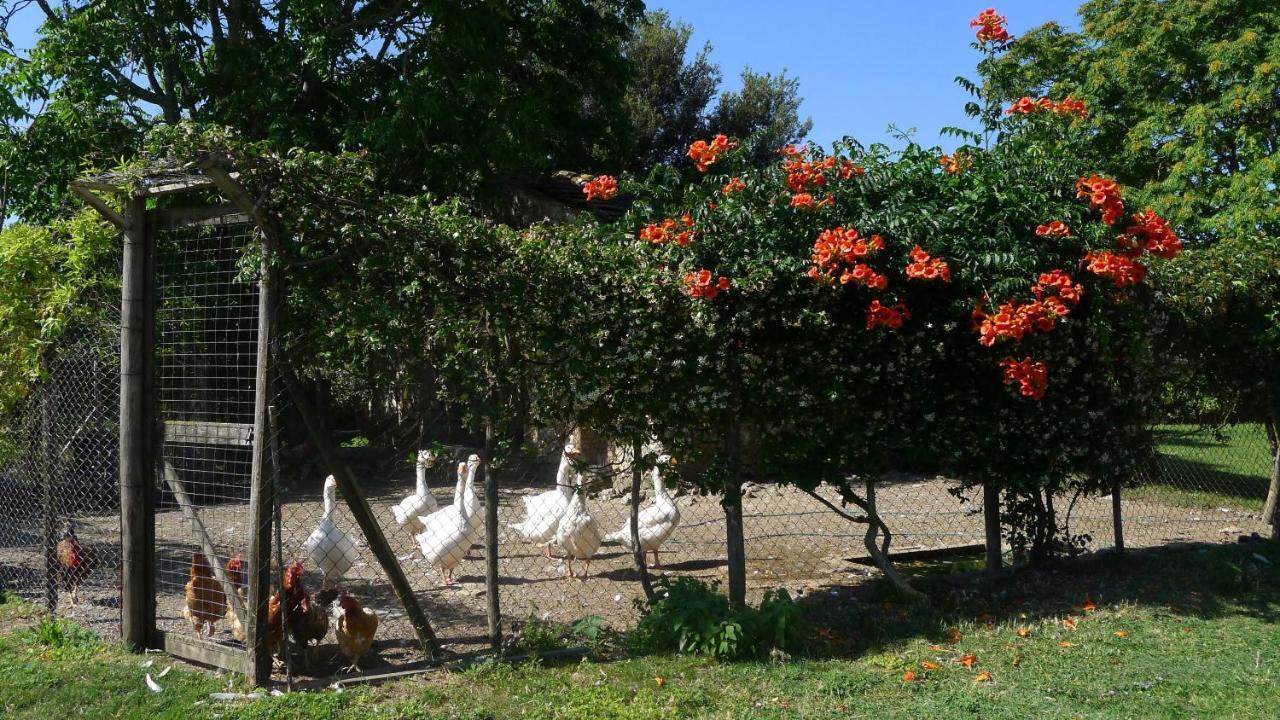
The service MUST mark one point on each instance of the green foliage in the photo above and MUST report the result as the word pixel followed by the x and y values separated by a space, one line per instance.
pixel 690 616
pixel 451 96
pixel 62 633
pixel 48 277
pixel 1182 105
pixel 669 99
pixel 767 109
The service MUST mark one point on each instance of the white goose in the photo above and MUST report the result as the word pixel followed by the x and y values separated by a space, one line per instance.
pixel 543 511
pixel 330 549
pixel 449 532
pixel 578 534
pixel 421 502
pixel 656 522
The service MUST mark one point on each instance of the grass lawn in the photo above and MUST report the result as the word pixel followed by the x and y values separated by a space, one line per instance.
pixel 1189 632
pixel 1197 468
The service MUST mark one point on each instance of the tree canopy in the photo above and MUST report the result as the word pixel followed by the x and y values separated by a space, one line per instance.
pixel 670 99
pixel 447 95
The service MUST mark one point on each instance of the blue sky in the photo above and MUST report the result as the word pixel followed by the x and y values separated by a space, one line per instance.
pixel 862 64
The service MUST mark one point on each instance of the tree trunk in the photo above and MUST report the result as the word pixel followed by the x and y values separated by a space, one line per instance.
pixel 991 520
pixel 735 540
pixel 1271 510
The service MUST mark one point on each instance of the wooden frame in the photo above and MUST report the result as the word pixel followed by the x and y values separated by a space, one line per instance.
pixel 142 433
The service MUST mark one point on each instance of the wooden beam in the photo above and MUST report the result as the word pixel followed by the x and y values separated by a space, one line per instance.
pixel 97 186
pixel 206 544
pixel 135 470
pixel 170 218
pixel 235 192
pixel 204 652
pixel 193 432
pixel 928 554
pixel 100 205
pixel 359 505
pixel 177 186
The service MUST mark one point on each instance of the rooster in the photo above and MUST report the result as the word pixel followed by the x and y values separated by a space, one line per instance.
pixel 75 562
pixel 206 603
pixel 354 627
pixel 235 576
pixel 308 622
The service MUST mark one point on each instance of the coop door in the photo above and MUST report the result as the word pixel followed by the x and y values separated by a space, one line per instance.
pixel 206 370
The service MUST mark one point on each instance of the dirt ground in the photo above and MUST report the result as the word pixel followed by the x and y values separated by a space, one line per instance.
pixel 793 542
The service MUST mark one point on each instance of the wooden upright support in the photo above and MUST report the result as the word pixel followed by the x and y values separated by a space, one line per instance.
pixel 1117 517
pixel 137 571
pixel 262 488
pixel 991 523
pixel 492 607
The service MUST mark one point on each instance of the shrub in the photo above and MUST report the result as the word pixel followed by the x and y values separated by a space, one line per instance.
pixel 691 616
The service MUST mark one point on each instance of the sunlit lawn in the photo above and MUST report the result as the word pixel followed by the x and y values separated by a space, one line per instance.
pixel 1186 633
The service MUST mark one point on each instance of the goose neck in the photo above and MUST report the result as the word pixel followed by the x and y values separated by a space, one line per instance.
pixel 421 478
pixel 328 502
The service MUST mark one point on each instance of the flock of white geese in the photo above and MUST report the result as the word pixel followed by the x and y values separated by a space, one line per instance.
pixel 556 519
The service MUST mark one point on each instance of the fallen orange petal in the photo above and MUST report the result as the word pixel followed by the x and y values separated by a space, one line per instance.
pixel 661 681
pixel 1122 633
pixel 910 676
pixel 930 665
pixel 969 660
pixel 1090 605
pixel 1065 643
pixel 1069 624
pixel 1024 632
pixel 983 676
pixel 955 636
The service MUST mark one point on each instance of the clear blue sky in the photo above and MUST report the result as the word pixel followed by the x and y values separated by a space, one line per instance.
pixel 862 64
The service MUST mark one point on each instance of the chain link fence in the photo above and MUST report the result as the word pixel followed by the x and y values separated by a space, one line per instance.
pixel 59 499
pixel 561 541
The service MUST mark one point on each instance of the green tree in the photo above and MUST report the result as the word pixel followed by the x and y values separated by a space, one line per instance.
pixel 452 96
pixel 767 107
pixel 1184 109
pixel 670 100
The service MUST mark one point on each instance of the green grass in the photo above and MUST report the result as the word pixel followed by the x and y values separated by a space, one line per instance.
pixel 1198 468
pixel 1197 638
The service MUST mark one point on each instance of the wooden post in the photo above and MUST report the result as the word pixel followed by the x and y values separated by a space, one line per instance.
pixel 637 553
pixel 1117 517
pixel 492 605
pixel 991 522
pixel 135 465
pixel 262 491
pixel 359 506
pixel 48 476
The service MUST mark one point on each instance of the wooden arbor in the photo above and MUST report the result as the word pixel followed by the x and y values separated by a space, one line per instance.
pixel 201 372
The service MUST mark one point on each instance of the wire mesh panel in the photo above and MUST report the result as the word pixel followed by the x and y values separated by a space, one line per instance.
pixel 206 362
pixel 1207 484
pixel 59 528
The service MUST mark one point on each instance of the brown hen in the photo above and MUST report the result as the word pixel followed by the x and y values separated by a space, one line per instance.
pixel 206 603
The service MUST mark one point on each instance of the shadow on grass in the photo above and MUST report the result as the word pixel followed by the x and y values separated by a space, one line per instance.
pixel 1182 475
pixel 1199 580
